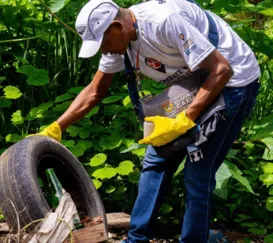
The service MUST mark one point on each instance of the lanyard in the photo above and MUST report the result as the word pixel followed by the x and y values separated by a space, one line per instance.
pixel 137 67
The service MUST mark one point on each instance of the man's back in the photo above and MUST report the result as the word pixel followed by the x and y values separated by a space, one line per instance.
pixel 173 37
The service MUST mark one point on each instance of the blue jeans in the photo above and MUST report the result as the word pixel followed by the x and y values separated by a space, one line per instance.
pixel 199 177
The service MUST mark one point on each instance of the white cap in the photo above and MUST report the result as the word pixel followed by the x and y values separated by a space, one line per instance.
pixel 93 20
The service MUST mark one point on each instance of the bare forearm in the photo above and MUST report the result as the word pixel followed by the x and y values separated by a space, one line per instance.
pixel 83 103
pixel 86 99
pixel 208 92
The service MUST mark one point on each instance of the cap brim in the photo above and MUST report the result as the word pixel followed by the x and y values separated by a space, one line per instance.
pixel 90 47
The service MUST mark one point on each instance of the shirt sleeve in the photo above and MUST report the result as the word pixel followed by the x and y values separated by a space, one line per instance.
pixel 111 63
pixel 179 32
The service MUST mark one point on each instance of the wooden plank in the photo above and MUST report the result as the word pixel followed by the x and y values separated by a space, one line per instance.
pixel 92 234
pixel 4 228
pixel 115 220
pixel 118 220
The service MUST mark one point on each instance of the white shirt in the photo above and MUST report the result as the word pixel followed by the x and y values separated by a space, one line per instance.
pixel 173 41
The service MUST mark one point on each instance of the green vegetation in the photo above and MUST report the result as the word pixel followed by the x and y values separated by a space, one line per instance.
pixel 40 75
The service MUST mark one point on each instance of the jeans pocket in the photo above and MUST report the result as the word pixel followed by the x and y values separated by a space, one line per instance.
pixel 233 99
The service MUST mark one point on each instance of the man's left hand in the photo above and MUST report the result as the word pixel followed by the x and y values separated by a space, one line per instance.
pixel 53 130
pixel 167 129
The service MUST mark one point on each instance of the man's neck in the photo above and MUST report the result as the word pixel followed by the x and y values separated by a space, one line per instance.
pixel 131 20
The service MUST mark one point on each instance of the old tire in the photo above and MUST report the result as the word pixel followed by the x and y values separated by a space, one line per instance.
pixel 20 193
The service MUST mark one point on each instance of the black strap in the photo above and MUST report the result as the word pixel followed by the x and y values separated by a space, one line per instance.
pixel 213 33
pixel 130 78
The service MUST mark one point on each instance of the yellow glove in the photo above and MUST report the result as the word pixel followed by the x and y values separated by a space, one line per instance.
pixel 53 130
pixel 167 129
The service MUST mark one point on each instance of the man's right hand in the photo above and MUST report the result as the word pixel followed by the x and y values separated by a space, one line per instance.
pixel 83 103
pixel 53 130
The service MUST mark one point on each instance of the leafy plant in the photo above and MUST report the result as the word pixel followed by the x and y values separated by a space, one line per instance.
pixel 40 75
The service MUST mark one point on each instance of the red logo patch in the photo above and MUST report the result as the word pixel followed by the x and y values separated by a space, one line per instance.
pixel 154 64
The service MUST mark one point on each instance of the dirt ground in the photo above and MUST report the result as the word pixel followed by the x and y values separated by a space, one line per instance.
pixel 233 237
pixel 116 235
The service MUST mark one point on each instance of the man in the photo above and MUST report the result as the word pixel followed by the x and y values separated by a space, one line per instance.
pixel 167 40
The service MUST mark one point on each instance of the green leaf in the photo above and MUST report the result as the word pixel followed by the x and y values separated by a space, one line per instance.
pixel 45 106
pixel 265 4
pixel 76 90
pixel 269 204
pixel 134 177
pixel 112 110
pixel 268 238
pixel 267 12
pixel 5 102
pixel 258 40
pixel 111 99
pixel 180 167
pixel 268 154
pixel 128 142
pixel 222 176
pixel 139 152
pixel 134 146
pixel 12 92
pixel 63 97
pixel 249 146
pixel 98 159
pixel 118 123
pixel 69 143
pixel 2 78
pixel 84 132
pixel 258 231
pixel 97 183
pixel 267 167
pixel 35 112
pixel 166 208
pixel 26 69
pixel 263 129
pixel 111 142
pixel 127 102
pixel 94 128
pixel 94 111
pixel 73 130
pixel 104 173
pixel 110 189
pixel 78 150
pixel 121 189
pixel 250 225
pixel 268 142
pixel 86 122
pixel 36 77
pixel 57 5
pixel 267 179
pixel 62 107
pixel 232 154
pixel 125 167
pixel 271 191
pixel 88 144
pixel 237 174
pixel 12 138
pixel 17 118
pixel 38 112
